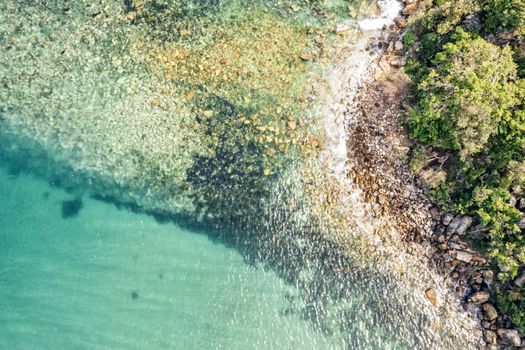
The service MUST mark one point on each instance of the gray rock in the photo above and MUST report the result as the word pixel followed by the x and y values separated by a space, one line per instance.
pixel 453 226
pixel 454 245
pixel 472 22
pixel 490 311
pixel 464 225
pixel 447 219
pixel 521 223
pixel 521 204
pixel 509 337
pixel 479 298
pixel 464 256
pixel 398 46
pixel 520 281
pixel 513 201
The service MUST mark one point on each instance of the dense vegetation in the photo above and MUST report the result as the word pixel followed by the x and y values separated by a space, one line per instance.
pixel 468 119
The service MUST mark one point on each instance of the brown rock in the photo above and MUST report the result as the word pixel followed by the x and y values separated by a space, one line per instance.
pixel 479 298
pixel 305 56
pixel 410 9
pixel 431 296
pixel 489 337
pixel 490 311
pixel 401 22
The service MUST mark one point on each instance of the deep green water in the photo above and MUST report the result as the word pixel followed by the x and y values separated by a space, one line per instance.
pixel 112 279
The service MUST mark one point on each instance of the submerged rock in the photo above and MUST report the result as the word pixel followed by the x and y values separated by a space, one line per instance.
pixel 71 208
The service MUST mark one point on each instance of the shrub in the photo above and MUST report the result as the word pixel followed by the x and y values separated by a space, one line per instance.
pixel 505 15
pixel 469 107
pixel 464 96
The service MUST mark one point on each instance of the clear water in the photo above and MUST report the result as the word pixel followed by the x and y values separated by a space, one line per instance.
pixel 113 279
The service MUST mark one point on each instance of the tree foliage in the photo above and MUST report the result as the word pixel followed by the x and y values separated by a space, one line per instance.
pixel 505 15
pixel 468 119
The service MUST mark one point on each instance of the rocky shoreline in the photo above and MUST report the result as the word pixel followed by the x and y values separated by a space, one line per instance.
pixel 379 151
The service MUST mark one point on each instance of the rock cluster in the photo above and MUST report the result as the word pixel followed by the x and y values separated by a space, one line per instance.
pixel 473 278
pixel 378 148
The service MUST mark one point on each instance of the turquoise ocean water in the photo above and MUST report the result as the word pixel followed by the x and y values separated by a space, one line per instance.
pixel 107 278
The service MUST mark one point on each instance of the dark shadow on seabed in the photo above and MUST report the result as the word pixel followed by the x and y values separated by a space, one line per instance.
pixel 334 295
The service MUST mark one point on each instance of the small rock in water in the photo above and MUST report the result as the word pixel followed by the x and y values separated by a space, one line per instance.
pixel 479 298
pixel 134 295
pixel 509 337
pixel 71 208
pixel 490 311
pixel 431 296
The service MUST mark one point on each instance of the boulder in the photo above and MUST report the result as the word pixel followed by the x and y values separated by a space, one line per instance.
pixel 490 311
pixel 431 296
pixel 453 226
pixel 509 337
pixel 398 46
pixel 488 276
pixel 521 223
pixel 447 219
pixel 479 298
pixel 489 336
pixel 401 22
pixel 521 204
pixel 520 281
pixel 464 256
pixel 464 225
pixel 410 9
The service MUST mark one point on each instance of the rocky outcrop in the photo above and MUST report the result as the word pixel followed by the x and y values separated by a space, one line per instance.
pixel 378 147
